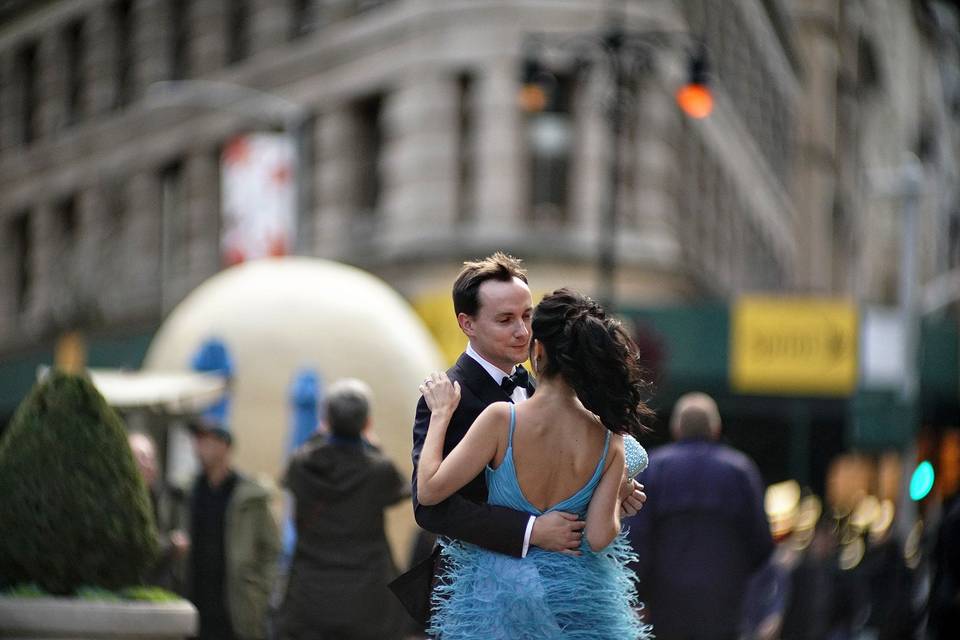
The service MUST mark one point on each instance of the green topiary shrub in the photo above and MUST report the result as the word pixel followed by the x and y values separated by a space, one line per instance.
pixel 73 508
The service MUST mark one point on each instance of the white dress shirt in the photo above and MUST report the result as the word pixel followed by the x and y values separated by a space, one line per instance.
pixel 519 395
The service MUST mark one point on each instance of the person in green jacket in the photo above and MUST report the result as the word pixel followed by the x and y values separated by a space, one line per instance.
pixel 234 543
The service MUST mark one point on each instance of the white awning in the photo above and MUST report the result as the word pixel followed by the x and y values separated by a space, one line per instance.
pixel 175 392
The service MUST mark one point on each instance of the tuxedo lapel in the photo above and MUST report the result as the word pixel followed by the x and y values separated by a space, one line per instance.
pixel 472 375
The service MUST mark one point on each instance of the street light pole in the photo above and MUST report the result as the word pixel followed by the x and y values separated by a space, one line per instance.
pixel 906 183
pixel 607 249
pixel 911 185
pixel 625 54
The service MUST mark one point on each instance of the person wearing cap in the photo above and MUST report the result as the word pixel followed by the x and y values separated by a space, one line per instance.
pixel 235 542
pixel 703 532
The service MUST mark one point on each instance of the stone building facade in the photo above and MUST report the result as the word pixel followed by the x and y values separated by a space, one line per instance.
pixel 420 155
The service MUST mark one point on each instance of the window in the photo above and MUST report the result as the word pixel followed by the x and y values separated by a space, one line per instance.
pixel 466 148
pixel 3 107
pixel 66 212
pixel 173 221
pixel 302 17
pixel 74 52
pixel 123 52
pixel 953 239
pixel 22 256
pixel 115 203
pixel 172 212
pixel 27 70
pixel 179 39
pixel 550 143
pixel 369 147
pixel 238 30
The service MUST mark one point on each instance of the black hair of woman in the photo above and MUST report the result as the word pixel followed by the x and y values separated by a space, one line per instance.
pixel 595 356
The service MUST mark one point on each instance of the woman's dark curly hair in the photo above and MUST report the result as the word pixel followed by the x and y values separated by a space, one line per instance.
pixel 595 356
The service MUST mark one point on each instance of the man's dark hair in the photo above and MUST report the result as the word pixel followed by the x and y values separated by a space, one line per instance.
pixel 348 407
pixel 466 288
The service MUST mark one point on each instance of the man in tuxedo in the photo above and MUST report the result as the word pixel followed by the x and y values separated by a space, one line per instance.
pixel 494 309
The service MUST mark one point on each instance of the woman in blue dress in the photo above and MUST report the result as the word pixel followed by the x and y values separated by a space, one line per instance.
pixel 563 449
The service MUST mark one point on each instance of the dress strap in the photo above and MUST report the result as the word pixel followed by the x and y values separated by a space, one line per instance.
pixel 513 423
pixel 606 448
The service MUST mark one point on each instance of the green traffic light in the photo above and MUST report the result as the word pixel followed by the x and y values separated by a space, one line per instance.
pixel 922 481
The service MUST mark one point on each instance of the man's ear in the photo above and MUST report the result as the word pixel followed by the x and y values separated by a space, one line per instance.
pixel 466 324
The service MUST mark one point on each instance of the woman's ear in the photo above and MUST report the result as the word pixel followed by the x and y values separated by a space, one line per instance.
pixel 536 355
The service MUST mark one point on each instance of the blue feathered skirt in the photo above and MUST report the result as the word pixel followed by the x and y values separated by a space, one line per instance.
pixel 483 595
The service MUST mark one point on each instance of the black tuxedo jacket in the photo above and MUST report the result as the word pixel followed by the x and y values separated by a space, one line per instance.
pixel 465 515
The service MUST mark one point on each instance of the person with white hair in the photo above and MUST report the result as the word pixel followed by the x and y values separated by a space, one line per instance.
pixel 168 505
pixel 341 483
pixel 703 531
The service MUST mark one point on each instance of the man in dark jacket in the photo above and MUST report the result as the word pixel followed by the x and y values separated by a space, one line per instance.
pixel 341 484
pixel 945 591
pixel 703 532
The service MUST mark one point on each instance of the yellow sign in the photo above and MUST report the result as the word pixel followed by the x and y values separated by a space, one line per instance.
pixel 793 346
pixel 436 311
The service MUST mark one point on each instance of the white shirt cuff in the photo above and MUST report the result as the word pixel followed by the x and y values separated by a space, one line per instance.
pixel 526 536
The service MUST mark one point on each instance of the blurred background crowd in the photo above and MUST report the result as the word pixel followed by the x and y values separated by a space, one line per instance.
pixel 764 190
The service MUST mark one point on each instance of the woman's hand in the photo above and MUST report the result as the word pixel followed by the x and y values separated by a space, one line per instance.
pixel 441 395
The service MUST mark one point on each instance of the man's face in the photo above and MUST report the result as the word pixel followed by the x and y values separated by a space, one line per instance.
pixel 500 331
pixel 211 449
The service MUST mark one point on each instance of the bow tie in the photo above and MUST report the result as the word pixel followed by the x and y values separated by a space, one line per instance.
pixel 520 378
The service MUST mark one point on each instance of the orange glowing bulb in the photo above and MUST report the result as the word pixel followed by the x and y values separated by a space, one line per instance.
pixel 695 100
pixel 532 98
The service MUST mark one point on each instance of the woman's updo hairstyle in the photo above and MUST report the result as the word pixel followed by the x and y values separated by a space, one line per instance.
pixel 595 356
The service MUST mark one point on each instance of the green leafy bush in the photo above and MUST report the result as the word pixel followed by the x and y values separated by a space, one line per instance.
pixel 25 591
pixel 98 594
pixel 75 509
pixel 149 594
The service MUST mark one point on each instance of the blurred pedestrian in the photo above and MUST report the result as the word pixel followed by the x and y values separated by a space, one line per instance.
pixel 944 620
pixel 169 507
pixel 767 595
pixel 235 543
pixel 887 586
pixel 703 531
pixel 827 601
pixel 341 484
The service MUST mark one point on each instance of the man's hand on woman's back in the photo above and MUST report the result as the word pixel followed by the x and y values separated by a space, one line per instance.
pixel 558 531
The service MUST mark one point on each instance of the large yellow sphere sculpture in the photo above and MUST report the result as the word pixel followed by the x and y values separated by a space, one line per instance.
pixel 278 316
